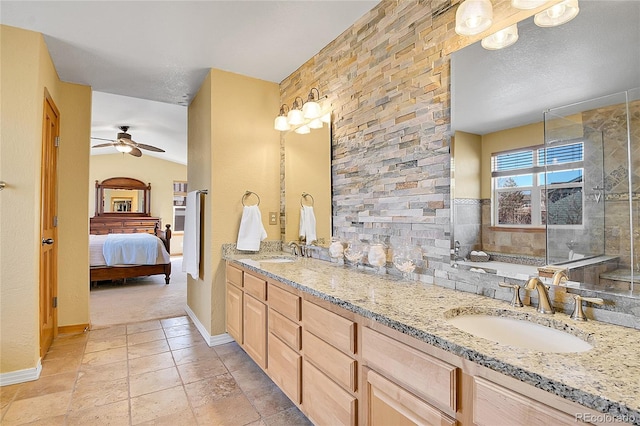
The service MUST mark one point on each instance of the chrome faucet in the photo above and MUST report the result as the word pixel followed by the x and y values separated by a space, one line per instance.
pixel 560 277
pixel 544 303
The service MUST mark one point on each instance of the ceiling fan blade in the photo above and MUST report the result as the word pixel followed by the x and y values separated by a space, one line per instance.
pixel 136 152
pixel 102 145
pixel 149 147
pixel 102 139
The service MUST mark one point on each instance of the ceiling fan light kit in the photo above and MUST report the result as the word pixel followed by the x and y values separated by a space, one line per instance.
pixel 123 143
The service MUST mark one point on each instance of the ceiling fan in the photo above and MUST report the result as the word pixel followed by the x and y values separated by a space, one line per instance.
pixel 126 145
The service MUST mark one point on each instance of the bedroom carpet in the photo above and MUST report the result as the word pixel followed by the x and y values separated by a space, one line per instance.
pixel 139 299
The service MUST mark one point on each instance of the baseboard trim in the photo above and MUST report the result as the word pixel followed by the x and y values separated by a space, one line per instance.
pixel 21 376
pixel 219 339
pixel 73 329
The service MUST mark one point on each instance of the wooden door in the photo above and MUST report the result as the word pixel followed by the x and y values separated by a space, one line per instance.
pixel 234 312
pixel 255 329
pixel 48 212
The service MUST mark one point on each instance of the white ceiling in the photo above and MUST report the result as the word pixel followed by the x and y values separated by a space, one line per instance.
pixel 161 51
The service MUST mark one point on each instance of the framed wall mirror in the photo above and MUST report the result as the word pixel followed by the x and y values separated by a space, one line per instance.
pixel 307 170
pixel 123 196
pixel 543 112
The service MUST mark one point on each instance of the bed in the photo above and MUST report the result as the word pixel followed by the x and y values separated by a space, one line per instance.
pixel 113 219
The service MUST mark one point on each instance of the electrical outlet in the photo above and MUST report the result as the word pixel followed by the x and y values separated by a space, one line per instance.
pixel 273 218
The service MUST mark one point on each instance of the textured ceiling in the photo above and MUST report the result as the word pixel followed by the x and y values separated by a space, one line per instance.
pixel 161 50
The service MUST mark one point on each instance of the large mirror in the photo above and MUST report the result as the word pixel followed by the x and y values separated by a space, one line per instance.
pixel 123 196
pixel 504 146
pixel 307 170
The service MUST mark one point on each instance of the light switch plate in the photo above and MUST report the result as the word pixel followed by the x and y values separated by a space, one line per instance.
pixel 273 218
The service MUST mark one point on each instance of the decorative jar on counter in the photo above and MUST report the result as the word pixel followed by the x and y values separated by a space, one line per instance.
pixel 377 256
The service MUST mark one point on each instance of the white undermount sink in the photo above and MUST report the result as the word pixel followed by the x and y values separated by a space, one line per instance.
pixel 519 333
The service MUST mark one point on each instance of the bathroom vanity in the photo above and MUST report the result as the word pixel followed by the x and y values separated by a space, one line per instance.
pixel 352 347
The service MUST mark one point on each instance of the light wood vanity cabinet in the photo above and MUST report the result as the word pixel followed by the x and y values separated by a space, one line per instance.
pixel 234 303
pixel 343 369
pixel 285 342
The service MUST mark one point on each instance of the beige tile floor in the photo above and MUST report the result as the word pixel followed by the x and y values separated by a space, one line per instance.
pixel 158 372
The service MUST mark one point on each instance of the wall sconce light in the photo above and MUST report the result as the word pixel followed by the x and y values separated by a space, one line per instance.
pixel 311 108
pixel 558 14
pixel 473 17
pixel 501 39
pixel 527 4
pixel 295 116
pixel 281 120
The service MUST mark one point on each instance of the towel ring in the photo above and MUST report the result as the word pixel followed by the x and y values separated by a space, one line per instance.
pixel 247 194
pixel 304 195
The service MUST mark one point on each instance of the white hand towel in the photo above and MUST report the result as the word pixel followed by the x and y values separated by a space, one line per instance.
pixel 191 239
pixel 308 224
pixel 251 229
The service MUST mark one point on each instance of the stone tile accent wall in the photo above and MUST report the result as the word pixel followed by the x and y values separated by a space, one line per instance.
pixel 387 79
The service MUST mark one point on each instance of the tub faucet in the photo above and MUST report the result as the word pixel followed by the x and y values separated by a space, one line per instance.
pixel 560 277
pixel 544 303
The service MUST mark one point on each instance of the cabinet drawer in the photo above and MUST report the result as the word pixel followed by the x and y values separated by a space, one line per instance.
pixel 424 374
pixel 493 404
pixel 285 368
pixel 324 402
pixel 332 328
pixel 288 304
pixel 390 404
pixel 234 275
pixel 288 331
pixel 338 366
pixel 257 287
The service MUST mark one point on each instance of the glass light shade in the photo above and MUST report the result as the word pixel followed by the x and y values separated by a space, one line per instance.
pixel 527 4
pixel 315 124
pixel 311 109
pixel 326 118
pixel 473 17
pixel 501 39
pixel 123 147
pixel 558 14
pixel 295 117
pixel 303 130
pixel 281 123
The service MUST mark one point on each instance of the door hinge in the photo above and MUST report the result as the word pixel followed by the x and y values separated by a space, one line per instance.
pixel 55 221
pixel 57 142
pixel 55 302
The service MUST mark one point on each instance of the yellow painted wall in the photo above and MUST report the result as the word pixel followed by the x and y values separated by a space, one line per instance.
pixel 232 148
pixel 308 169
pixel 26 70
pixel 518 137
pixel 159 173
pixel 466 151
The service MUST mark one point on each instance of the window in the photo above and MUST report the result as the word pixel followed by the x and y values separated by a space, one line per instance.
pixel 536 185
pixel 179 205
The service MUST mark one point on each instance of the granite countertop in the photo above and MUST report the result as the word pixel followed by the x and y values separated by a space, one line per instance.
pixel 605 378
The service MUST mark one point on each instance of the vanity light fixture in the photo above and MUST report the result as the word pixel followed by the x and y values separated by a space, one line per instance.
pixel 501 39
pixel 473 17
pixel 311 108
pixel 316 123
pixel 303 130
pixel 527 4
pixel 295 116
pixel 281 120
pixel 557 14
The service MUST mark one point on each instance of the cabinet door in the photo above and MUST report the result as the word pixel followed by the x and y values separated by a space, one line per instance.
pixel 389 404
pixel 285 368
pixel 494 404
pixel 324 402
pixel 234 312
pixel 255 329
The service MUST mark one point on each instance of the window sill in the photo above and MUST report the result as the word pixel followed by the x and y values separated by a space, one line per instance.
pixel 516 229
